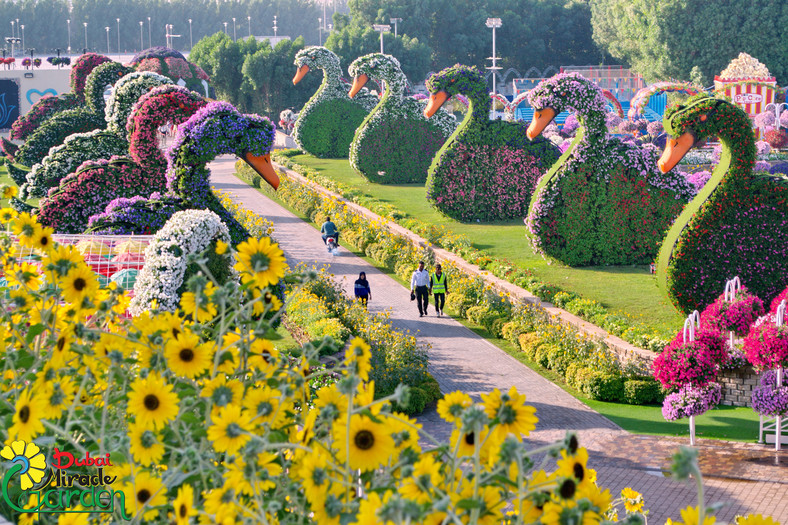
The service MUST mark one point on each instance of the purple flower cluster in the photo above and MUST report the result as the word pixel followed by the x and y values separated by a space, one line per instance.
pixel 691 401
pixel 784 119
pixel 655 128
pixel 764 119
pixel 767 399
pixel 570 125
pixel 698 179
pixel 761 165
pixel 762 148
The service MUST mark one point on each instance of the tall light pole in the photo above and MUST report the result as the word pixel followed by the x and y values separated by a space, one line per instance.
pixel 191 41
pixel 235 37
pixel 106 28
pixel 69 35
pixel 22 27
pixel 150 40
pixel 142 44
pixel 394 21
pixel 275 28
pixel 225 28
pixel 381 28
pixel 17 27
pixel 493 23
pixel 320 28
pixel 118 21
pixel 13 33
pixel 249 21
pixel 85 24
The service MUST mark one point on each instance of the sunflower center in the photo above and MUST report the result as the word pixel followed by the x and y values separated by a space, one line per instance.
pixel 233 430
pixel 182 510
pixel 264 408
pixel 266 355
pixel 260 262
pixel 143 495
pixel 470 438
pixel 57 396
pixel 148 439
pixel 507 414
pixel 61 343
pixel 222 396
pixel 364 440
pixel 567 489
pixel 579 471
pixel 267 297
pixel 318 476
pixel 80 284
pixel 44 240
pixel 186 355
pixel 24 414
pixel 151 402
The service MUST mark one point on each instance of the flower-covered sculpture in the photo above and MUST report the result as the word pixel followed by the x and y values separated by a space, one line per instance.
pixel 125 93
pixel 736 225
pixel 87 191
pixel 173 65
pixel 488 169
pixel 216 129
pixel 641 98
pixel 604 201
pixel 396 143
pixel 327 122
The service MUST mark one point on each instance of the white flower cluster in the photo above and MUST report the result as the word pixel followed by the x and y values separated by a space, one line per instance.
pixel 166 258
pixel 745 66
pixel 125 93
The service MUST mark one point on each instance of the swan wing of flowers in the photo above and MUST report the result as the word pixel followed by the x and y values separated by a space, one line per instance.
pixel 639 102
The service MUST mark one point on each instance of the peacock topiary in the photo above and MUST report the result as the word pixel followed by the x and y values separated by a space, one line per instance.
pixel 604 202
pixel 396 143
pixel 488 169
pixel 327 122
pixel 736 225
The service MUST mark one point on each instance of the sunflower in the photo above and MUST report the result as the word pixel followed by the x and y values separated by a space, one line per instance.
pixel 633 500
pixel 405 431
pixel 79 283
pixel 24 274
pixel 143 493
pixel 28 411
pixel 61 350
pixel 77 515
pixel 184 505
pixel 450 408
pixel 7 215
pixel 357 358
pixel 146 447
pixel 514 416
pixel 426 474
pixel 42 239
pixel 220 503
pixel 186 356
pixel 315 473
pixel 222 392
pixel 574 466
pixel 331 401
pixel 567 511
pixel 600 499
pixel 487 500
pixel 9 191
pixel 198 305
pixel 221 247
pixel 152 402
pixel 263 356
pixel 465 442
pixel 230 430
pixel 368 509
pixel 31 457
pixel 25 226
pixel 366 446
pixel 260 262
pixel 58 395
pixel 691 516
pixel 755 519
pixel 263 404
pixel 61 259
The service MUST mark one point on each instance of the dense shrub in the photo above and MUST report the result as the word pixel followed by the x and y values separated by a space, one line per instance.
pixel 328 131
pixel 604 386
pixel 642 392
pixel 777 138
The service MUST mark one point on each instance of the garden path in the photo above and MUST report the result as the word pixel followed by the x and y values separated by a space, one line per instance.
pixel 748 478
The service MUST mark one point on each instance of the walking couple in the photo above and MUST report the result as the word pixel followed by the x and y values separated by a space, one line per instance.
pixel 422 284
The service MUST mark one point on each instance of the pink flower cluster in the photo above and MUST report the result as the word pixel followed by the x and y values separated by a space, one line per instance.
pixel 693 363
pixel 777 300
pixel 766 346
pixel 736 316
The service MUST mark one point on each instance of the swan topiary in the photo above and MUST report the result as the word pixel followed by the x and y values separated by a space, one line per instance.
pixel 396 143
pixel 736 225
pixel 488 169
pixel 604 202
pixel 87 191
pixel 327 122
pixel 214 130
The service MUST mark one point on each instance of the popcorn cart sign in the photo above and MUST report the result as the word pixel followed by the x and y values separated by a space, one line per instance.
pixel 748 83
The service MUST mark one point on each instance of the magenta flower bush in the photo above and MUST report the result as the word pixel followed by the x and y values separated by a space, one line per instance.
pixel 767 399
pixel 766 346
pixel 691 401
pixel 82 67
pixel 777 300
pixel 692 363
pixel 40 112
pixel 736 316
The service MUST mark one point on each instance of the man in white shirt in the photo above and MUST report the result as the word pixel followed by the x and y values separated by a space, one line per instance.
pixel 420 284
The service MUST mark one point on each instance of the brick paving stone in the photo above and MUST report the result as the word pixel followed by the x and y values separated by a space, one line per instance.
pixel 751 477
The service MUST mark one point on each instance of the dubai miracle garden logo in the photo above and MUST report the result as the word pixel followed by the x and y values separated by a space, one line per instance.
pixel 55 490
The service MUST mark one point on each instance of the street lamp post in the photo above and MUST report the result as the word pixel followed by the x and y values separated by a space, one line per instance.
pixel 275 28
pixel 235 37
pixel 394 21
pixel 191 41
pixel 382 28
pixel 69 35
pixel 22 27
pixel 225 28
pixel 13 33
pixel 493 23
pixel 150 40
pixel 249 21
pixel 118 22
pixel 320 28
pixel 106 28
pixel 85 24
pixel 142 44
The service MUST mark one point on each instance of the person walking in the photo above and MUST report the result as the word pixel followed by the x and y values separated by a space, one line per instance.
pixel 439 287
pixel 362 290
pixel 420 284
pixel 329 229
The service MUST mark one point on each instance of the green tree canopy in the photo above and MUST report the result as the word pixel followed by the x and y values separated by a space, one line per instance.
pixel 664 39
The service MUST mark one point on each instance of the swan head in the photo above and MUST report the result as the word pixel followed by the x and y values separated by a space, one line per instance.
pixel 564 92
pixel 315 57
pixel 455 80
pixel 377 66
pixel 689 123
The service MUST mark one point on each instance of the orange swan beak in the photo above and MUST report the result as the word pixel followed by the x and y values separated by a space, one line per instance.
pixel 435 102
pixel 675 149
pixel 358 83
pixel 542 118
pixel 262 165
pixel 301 73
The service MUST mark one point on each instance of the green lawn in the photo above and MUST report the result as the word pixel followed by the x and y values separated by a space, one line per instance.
pixel 5 178
pixel 628 288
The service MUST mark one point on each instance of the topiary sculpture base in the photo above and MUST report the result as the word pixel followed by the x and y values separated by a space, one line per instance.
pixel 328 131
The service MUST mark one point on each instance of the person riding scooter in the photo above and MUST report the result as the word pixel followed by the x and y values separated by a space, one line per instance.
pixel 330 231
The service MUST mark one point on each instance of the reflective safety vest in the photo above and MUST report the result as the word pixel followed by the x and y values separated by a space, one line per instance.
pixel 439 283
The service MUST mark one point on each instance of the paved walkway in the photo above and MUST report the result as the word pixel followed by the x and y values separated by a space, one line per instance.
pixel 748 478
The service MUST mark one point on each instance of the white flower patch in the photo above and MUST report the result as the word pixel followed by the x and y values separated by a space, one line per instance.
pixel 125 93
pixel 186 233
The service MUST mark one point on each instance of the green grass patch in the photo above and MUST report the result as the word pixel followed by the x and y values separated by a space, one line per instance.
pixel 5 178
pixel 631 289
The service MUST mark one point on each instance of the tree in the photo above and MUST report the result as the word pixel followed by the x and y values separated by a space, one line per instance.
pixel 663 39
